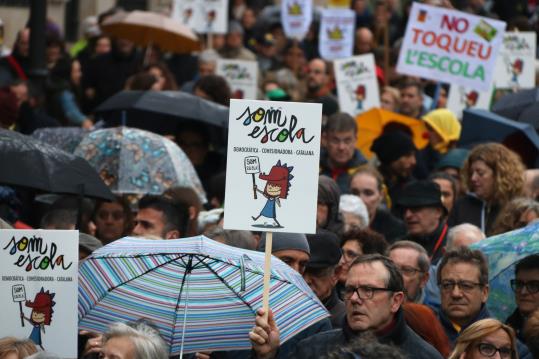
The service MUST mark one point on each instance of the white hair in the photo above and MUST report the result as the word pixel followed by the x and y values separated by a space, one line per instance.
pixel 353 204
pixel 146 339
pixel 470 231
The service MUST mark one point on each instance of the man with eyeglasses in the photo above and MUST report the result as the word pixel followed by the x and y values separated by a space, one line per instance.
pixel 341 158
pixel 413 262
pixel 374 293
pixel 463 282
pixel 526 288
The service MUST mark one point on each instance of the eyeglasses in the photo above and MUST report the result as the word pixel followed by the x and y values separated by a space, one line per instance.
pixel 465 286
pixel 532 286
pixel 116 215
pixel 409 271
pixel 490 350
pixel 363 292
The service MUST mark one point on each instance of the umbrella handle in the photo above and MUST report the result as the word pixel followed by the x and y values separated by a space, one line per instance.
pixel 267 274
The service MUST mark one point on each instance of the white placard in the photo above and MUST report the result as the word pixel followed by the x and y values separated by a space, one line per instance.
pixel 202 16
pixel 336 38
pixel 461 98
pixel 450 46
pixel 38 288
pixel 272 166
pixel 515 67
pixel 296 16
pixel 357 85
pixel 242 77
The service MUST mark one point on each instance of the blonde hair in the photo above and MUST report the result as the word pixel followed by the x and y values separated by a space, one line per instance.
pixel 21 347
pixel 506 165
pixel 477 331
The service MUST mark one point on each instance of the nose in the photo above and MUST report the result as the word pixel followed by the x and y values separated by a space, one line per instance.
pixel 137 230
pixel 456 292
pixel 408 213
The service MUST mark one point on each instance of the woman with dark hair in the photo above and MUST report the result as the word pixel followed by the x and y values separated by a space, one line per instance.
pixel 165 78
pixel 213 88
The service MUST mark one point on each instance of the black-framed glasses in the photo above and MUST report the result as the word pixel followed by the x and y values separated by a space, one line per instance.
pixel 409 271
pixel 363 291
pixel 532 286
pixel 464 285
pixel 490 350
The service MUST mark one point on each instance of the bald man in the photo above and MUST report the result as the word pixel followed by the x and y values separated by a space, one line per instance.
pixel 364 41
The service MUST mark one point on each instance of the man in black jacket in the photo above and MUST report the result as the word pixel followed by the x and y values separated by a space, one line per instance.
pixel 374 295
pixel 424 214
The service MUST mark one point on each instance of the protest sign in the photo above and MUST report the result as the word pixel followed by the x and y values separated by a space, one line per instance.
pixel 357 86
pixel 450 46
pixel 336 33
pixel 296 16
pixel 203 16
pixel 278 145
pixel 515 67
pixel 461 98
pixel 242 77
pixel 38 288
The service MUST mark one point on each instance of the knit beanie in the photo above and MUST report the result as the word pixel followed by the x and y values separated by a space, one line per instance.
pixel 392 145
pixel 283 241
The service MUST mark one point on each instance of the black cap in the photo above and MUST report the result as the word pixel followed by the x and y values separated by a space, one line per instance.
pixel 392 145
pixel 420 194
pixel 325 250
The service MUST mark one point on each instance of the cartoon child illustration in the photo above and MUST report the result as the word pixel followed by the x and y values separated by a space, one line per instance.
pixel 360 97
pixel 470 99
pixel 41 314
pixel 516 70
pixel 187 13
pixel 277 186
pixel 210 18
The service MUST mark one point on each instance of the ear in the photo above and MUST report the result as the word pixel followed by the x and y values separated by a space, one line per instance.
pixel 192 213
pixel 484 293
pixel 174 234
pixel 424 280
pixel 396 301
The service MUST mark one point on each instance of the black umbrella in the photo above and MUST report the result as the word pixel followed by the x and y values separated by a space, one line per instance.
pixel 522 106
pixel 480 126
pixel 30 163
pixel 160 111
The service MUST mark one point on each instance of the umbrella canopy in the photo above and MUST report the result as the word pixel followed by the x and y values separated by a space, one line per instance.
pixel 64 138
pixel 522 106
pixel 146 28
pixel 160 111
pixel 195 290
pixel 371 125
pixel 27 162
pixel 503 251
pixel 133 161
pixel 480 126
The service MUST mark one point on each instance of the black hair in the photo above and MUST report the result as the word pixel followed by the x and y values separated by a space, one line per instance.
pixel 395 281
pixel 527 263
pixel 175 213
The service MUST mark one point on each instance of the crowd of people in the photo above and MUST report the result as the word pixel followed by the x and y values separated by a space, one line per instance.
pixel 390 260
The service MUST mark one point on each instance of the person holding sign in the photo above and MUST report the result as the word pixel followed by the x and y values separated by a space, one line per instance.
pixel 374 294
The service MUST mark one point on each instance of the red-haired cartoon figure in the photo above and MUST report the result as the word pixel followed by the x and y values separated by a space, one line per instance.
pixel 516 70
pixel 361 92
pixel 41 314
pixel 277 186
pixel 470 99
